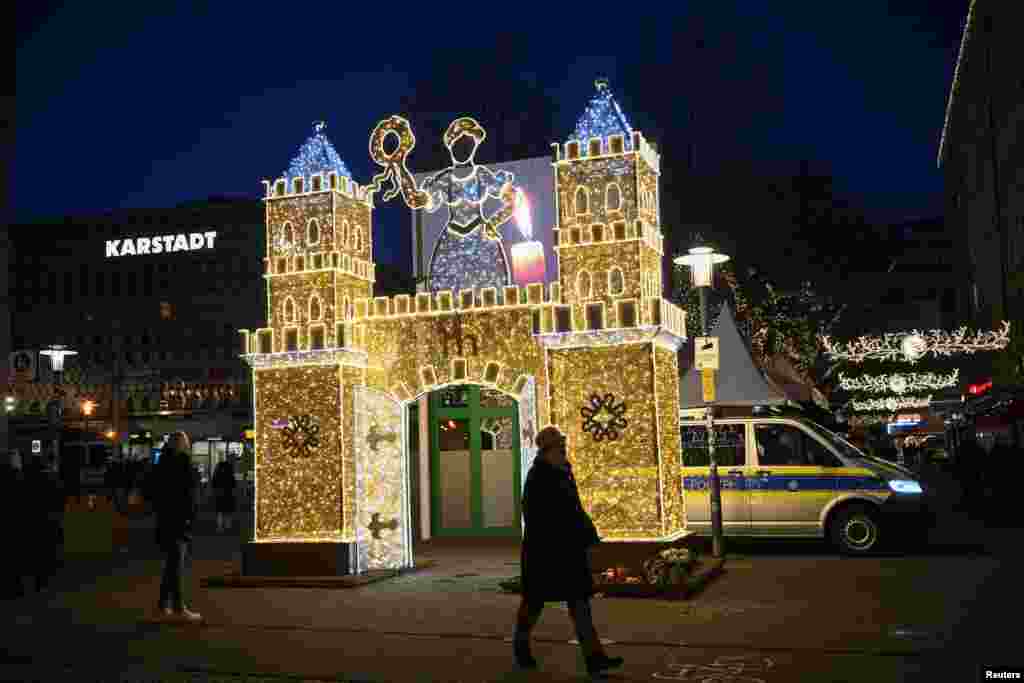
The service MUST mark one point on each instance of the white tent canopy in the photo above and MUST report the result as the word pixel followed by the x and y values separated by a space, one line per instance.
pixel 739 382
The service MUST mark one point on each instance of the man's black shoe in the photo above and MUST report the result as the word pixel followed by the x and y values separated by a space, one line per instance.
pixel 523 657
pixel 601 663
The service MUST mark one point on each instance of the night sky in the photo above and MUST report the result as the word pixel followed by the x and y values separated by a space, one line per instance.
pixel 129 107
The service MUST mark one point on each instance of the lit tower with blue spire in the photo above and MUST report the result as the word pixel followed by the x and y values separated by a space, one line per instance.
pixel 608 236
pixel 319 247
pixel 614 347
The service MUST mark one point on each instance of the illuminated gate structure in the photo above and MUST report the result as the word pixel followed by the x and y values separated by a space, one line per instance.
pixel 335 368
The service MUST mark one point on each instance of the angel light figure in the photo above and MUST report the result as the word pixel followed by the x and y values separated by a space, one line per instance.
pixel 470 252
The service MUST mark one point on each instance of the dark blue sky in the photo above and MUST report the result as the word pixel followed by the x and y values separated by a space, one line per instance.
pixel 136 108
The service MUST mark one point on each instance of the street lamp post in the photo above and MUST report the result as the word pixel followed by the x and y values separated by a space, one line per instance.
pixel 55 408
pixel 702 260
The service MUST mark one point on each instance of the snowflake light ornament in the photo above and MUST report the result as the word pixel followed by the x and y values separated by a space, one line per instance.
pixel 603 418
pixel 301 436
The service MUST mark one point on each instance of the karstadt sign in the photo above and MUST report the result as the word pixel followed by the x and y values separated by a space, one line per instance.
pixel 139 246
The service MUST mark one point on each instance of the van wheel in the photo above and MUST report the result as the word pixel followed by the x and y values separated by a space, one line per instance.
pixel 855 530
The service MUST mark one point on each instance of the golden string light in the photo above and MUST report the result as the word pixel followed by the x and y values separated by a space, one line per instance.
pixel 335 398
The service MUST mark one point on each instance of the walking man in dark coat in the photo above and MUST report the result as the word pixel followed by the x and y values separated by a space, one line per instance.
pixel 555 557
pixel 174 493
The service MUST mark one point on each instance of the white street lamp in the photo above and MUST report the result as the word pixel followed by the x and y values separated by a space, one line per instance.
pixel 702 260
pixel 55 409
pixel 57 354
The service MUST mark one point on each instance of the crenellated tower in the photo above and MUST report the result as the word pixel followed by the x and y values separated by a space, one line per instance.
pixel 608 238
pixel 319 248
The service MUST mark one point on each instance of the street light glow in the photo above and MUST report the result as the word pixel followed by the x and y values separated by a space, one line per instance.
pixel 702 261
pixel 57 353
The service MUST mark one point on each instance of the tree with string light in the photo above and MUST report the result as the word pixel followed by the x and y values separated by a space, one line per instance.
pixel 774 323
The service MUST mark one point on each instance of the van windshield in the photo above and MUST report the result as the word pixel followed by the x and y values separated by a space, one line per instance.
pixel 844 447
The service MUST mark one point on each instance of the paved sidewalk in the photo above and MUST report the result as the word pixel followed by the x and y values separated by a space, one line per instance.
pixel 814 615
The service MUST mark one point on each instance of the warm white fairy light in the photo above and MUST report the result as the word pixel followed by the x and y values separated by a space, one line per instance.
pixel 914 345
pixel 899 383
pixel 891 403
pixel 352 369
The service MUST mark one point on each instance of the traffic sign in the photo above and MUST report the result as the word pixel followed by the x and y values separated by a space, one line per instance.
pixel 37 446
pixel 706 353
pixel 708 384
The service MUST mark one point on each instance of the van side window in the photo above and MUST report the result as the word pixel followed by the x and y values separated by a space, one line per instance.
pixel 780 446
pixel 818 454
pixel 730 445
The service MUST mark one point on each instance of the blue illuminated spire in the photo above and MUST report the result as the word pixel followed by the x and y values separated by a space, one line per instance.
pixel 317 155
pixel 603 117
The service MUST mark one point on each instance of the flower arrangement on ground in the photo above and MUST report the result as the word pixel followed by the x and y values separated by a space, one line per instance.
pixel 670 566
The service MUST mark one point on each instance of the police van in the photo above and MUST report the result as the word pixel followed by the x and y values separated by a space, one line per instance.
pixel 789 477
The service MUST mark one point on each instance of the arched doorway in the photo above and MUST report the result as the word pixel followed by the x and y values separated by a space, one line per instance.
pixel 475 462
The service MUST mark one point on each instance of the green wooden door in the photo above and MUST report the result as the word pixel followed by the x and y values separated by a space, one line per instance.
pixel 474 463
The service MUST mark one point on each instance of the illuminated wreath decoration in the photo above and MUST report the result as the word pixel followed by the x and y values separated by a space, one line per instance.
pixel 301 436
pixel 604 418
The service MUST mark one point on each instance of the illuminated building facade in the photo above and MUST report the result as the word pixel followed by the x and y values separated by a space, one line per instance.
pixel 335 369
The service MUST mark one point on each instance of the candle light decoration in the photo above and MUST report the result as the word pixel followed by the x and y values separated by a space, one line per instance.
pixel 527 256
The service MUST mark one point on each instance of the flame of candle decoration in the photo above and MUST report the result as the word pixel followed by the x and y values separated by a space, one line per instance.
pixel 522 213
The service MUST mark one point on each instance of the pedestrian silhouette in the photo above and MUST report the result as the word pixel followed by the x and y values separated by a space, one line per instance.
pixel 223 483
pixel 555 556
pixel 174 493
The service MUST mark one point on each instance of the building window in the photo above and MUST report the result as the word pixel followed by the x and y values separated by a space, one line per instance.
pixel 316 338
pixel 583 285
pixel 582 204
pixel 355 239
pixel 291 340
pixel 313 231
pixel 166 311
pixel 314 308
pixel 100 284
pixel 613 198
pixel 344 232
pixel 615 281
pixel 289 310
